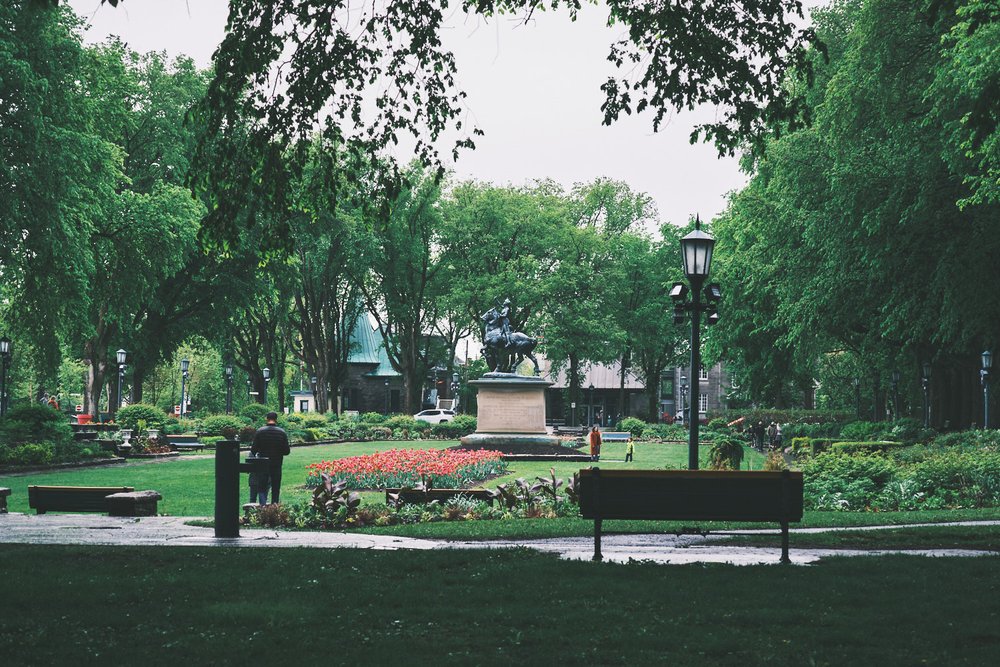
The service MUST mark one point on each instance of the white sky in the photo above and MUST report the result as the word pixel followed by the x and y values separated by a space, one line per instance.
pixel 534 90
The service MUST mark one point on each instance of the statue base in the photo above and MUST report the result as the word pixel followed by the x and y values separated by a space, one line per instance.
pixel 511 413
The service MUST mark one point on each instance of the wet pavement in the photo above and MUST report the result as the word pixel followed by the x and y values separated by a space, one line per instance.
pixel 16 528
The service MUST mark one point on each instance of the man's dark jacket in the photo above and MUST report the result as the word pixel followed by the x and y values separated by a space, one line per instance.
pixel 271 441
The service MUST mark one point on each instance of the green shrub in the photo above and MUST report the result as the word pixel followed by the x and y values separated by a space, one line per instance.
pixel 869 447
pixel 131 415
pixel 314 420
pixel 802 446
pixel 634 426
pixel 718 424
pixel 372 418
pixel 865 431
pixel 215 424
pixel 456 428
pixel 905 430
pixel 838 481
pixel 35 423
pixel 726 453
pixel 28 454
pixel 255 413
pixel 405 423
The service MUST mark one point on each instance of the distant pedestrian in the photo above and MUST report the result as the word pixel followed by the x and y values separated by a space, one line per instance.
pixel 629 449
pixel 772 434
pixel 53 403
pixel 271 441
pixel 758 434
pixel 594 438
pixel 777 436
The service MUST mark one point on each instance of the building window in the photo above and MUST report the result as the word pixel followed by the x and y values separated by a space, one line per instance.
pixel 702 403
pixel 703 373
pixel 666 387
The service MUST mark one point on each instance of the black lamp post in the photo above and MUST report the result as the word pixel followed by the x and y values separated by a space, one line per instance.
pixel 185 365
pixel 925 383
pixel 895 394
pixel 387 397
pixel 684 393
pixel 696 249
pixel 5 355
pixel 454 391
pixel 314 382
pixel 984 377
pixel 267 380
pixel 857 397
pixel 121 356
pixel 593 412
pixel 229 388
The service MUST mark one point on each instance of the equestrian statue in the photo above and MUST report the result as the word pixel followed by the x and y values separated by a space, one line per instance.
pixel 504 349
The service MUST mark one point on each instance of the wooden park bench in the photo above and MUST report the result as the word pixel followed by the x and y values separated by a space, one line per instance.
pixel 72 498
pixel 691 495
pixel 415 497
pixel 615 436
pixel 573 431
pixel 185 442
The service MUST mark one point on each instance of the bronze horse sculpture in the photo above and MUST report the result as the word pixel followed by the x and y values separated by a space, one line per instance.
pixel 503 349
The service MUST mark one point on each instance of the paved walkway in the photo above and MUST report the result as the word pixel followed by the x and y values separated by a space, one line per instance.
pixel 18 528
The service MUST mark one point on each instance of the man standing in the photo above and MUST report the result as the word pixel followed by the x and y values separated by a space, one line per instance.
pixel 271 441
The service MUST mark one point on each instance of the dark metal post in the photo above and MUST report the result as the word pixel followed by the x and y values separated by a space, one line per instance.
pixel 121 381
pixel 227 488
pixel 857 397
pixel 925 383
pixel 387 397
pixel 695 368
pixel 3 380
pixel 895 394
pixel 984 379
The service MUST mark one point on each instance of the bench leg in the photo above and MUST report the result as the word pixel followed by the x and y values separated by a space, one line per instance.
pixel 597 540
pixel 784 543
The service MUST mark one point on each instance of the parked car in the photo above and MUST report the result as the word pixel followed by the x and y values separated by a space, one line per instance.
pixel 435 416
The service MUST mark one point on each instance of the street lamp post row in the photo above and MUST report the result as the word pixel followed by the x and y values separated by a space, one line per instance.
pixel 185 366
pixel 696 249
pixel 121 355
pixel 984 377
pixel 5 354
pixel 229 388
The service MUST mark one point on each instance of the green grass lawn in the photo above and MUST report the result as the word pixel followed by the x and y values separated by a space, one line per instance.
pixel 188 482
pixel 153 606
pixel 188 486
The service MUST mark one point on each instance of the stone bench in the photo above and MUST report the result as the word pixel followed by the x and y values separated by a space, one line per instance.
pixel 133 503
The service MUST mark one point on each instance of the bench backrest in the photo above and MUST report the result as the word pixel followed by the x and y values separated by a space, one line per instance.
pixel 704 495
pixel 615 435
pixel 73 498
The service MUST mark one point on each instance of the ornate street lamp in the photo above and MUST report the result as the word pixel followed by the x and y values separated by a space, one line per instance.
pixel 454 391
pixel 121 355
pixel 185 365
pixel 895 394
pixel 984 377
pixel 696 249
pixel 5 355
pixel 229 388
pixel 267 380
pixel 925 383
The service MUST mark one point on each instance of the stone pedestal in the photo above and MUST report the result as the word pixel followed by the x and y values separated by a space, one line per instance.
pixel 511 412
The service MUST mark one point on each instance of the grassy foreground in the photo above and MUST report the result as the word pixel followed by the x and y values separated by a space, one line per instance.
pixel 94 605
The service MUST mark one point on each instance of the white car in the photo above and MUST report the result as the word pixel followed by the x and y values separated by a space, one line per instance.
pixel 435 416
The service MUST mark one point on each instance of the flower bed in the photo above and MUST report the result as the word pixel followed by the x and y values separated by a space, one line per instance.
pixel 447 468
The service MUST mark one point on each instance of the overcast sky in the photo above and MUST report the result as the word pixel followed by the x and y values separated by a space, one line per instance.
pixel 534 89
